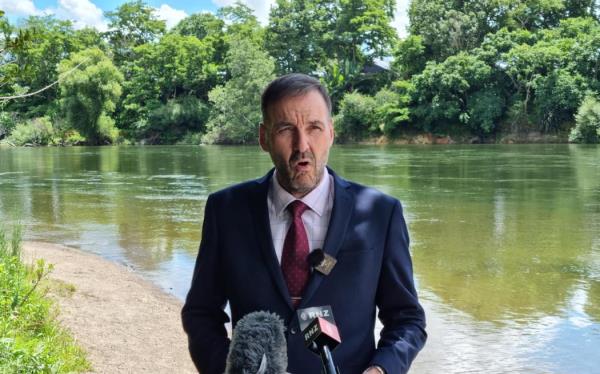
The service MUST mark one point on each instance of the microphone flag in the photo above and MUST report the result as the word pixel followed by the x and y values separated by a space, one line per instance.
pixel 307 315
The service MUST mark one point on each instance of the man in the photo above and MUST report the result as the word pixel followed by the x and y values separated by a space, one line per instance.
pixel 256 237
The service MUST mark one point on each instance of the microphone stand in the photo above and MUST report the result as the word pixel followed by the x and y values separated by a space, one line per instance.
pixel 327 359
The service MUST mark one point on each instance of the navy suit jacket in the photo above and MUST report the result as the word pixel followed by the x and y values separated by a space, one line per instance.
pixel 236 262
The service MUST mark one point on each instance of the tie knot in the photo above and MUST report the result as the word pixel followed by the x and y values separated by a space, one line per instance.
pixel 297 208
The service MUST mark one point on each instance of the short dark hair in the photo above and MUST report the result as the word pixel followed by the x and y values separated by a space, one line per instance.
pixel 291 85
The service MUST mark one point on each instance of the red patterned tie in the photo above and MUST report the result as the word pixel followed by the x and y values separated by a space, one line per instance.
pixel 294 264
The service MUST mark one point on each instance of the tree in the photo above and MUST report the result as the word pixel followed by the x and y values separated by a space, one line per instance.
pixel 251 70
pixel 33 64
pixel 356 118
pixel 132 24
pixel 587 127
pixel 175 67
pixel 208 28
pixel 241 23
pixel 299 34
pixel 409 57
pixel 89 94
pixel 200 25
pixel 443 91
pixel 582 54
pixel 557 97
pixel 393 107
pixel 449 27
pixel 363 29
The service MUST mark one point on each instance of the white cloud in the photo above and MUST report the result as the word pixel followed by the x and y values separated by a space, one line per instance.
pixel 82 12
pixel 261 7
pixel 19 8
pixel 170 15
pixel 400 22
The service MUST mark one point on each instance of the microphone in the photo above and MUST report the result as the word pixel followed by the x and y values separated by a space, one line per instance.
pixel 258 345
pixel 322 336
pixel 321 261
pixel 316 257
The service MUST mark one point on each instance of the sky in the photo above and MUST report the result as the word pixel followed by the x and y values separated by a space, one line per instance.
pixel 90 12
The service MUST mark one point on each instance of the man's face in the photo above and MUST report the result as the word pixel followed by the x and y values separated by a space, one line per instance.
pixel 298 134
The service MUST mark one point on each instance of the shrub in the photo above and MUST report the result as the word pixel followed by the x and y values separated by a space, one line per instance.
pixel 191 138
pixel 484 109
pixel 8 121
pixel 30 339
pixel 357 117
pixel 171 121
pixel 587 122
pixel 37 131
pixel 392 107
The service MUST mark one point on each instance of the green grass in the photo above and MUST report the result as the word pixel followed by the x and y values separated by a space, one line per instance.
pixel 31 340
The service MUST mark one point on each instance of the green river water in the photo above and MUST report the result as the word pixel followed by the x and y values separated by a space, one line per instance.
pixel 505 239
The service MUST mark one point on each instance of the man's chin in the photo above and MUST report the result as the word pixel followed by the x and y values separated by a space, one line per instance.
pixel 304 184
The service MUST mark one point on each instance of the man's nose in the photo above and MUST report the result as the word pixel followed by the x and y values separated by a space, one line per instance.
pixel 302 144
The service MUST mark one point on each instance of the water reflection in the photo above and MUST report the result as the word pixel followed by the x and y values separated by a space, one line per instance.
pixel 505 239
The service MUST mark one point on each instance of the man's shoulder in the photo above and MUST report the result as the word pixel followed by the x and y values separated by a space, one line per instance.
pixel 366 194
pixel 240 190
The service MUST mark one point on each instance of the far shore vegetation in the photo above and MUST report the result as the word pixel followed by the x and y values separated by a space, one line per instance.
pixel 476 71
pixel 31 339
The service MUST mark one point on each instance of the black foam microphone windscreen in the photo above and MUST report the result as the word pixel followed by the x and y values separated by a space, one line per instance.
pixel 258 345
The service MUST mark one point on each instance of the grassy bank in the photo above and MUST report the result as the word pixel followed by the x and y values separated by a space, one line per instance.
pixel 31 340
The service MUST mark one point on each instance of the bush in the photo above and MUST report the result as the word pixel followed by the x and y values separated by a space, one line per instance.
pixel 8 121
pixel 484 109
pixel 587 122
pixel 392 107
pixel 557 97
pixel 30 339
pixel 37 131
pixel 172 121
pixel 191 138
pixel 357 117
pixel 107 132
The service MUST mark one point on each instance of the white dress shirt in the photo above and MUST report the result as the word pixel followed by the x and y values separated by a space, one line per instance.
pixel 315 219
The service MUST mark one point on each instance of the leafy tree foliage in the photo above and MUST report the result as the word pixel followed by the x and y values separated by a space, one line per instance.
pixel 89 92
pixel 251 69
pixel 409 57
pixel 443 91
pixel 37 131
pixel 132 24
pixel 299 33
pixel 393 107
pixel 334 39
pixel 477 67
pixel 357 117
pixel 587 128
pixel 241 23
pixel 363 29
pixel 174 120
pixel 34 67
pixel 208 28
pixel 176 66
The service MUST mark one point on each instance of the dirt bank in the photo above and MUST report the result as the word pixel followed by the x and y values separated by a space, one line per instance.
pixel 126 324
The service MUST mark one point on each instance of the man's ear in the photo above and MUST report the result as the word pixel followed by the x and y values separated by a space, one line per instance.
pixel 262 137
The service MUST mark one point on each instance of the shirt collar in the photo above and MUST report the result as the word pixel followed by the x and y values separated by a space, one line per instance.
pixel 315 199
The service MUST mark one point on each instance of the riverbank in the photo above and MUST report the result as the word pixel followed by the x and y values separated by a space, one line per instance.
pixel 523 137
pixel 125 324
pixel 531 137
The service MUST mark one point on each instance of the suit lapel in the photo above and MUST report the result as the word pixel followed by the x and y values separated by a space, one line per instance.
pixel 260 212
pixel 343 206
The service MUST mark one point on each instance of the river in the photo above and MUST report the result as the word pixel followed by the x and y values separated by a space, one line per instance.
pixel 505 238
